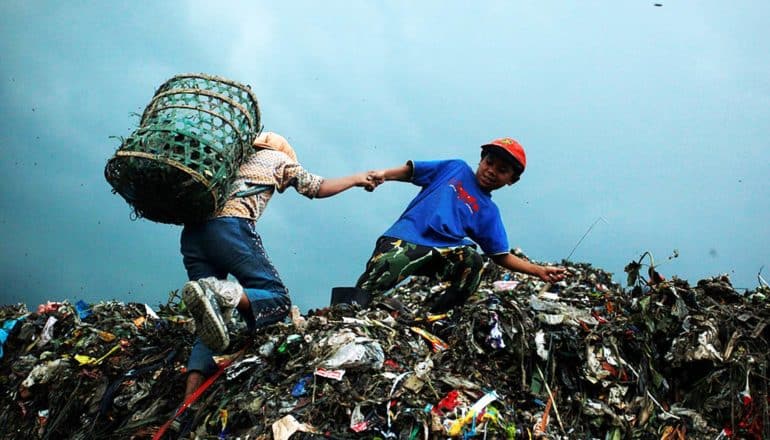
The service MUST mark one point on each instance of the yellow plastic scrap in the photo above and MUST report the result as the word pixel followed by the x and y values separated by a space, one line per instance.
pixel 85 360
pixel 223 418
pixel 433 318
pixel 458 425
pixel 138 322
pixel 88 360
pixel 491 415
pixel 435 342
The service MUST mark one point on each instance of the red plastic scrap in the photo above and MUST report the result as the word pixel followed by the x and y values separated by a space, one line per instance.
pixel 751 422
pixel 361 426
pixel 390 363
pixel 609 367
pixel 448 403
pixel 49 307
pixel 610 307
pixel 655 277
pixel 614 371
pixel 599 318
pixel 541 427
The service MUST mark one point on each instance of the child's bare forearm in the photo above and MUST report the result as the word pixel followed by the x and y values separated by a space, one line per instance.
pixel 401 173
pixel 330 187
pixel 545 273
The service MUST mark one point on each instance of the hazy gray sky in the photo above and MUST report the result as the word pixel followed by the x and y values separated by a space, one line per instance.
pixel 654 118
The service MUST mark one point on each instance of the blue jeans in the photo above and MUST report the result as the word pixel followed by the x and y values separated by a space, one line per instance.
pixel 231 245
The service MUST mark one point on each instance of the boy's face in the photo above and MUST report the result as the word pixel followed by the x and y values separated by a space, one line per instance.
pixel 494 172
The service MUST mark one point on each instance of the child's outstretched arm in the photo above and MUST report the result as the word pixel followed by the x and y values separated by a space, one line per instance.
pixel 546 273
pixel 402 173
pixel 330 187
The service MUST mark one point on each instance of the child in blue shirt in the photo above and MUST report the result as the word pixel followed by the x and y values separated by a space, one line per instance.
pixel 438 232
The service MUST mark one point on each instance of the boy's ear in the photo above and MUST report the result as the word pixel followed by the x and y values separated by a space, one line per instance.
pixel 514 179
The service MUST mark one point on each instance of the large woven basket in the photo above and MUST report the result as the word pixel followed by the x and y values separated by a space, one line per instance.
pixel 178 165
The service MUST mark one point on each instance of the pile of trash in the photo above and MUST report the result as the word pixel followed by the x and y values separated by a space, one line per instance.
pixel 579 359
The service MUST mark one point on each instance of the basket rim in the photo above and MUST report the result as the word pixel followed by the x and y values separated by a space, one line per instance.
pixel 152 109
pixel 245 87
pixel 196 175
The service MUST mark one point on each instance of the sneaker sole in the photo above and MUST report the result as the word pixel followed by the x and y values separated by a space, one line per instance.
pixel 211 330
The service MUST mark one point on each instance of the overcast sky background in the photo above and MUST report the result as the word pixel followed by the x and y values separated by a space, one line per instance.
pixel 655 118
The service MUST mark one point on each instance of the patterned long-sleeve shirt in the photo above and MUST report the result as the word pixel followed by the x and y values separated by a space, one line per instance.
pixel 271 168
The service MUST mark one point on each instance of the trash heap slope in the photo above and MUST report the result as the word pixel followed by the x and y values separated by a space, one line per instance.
pixel 580 359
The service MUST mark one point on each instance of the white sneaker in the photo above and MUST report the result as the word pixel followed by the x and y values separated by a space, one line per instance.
pixel 204 308
pixel 227 293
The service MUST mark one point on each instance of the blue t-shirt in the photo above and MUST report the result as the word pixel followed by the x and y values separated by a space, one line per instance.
pixel 450 209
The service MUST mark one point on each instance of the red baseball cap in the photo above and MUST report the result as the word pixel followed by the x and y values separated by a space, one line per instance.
pixel 510 148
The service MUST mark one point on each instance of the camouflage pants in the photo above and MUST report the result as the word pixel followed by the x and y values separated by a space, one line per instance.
pixel 393 260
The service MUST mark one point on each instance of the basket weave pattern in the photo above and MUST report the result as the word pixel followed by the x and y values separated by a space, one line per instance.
pixel 178 165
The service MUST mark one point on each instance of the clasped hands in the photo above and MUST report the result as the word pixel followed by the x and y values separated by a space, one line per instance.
pixel 371 179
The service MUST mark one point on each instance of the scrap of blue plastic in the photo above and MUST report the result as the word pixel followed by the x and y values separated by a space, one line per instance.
pixel 84 310
pixel 7 328
pixel 300 388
